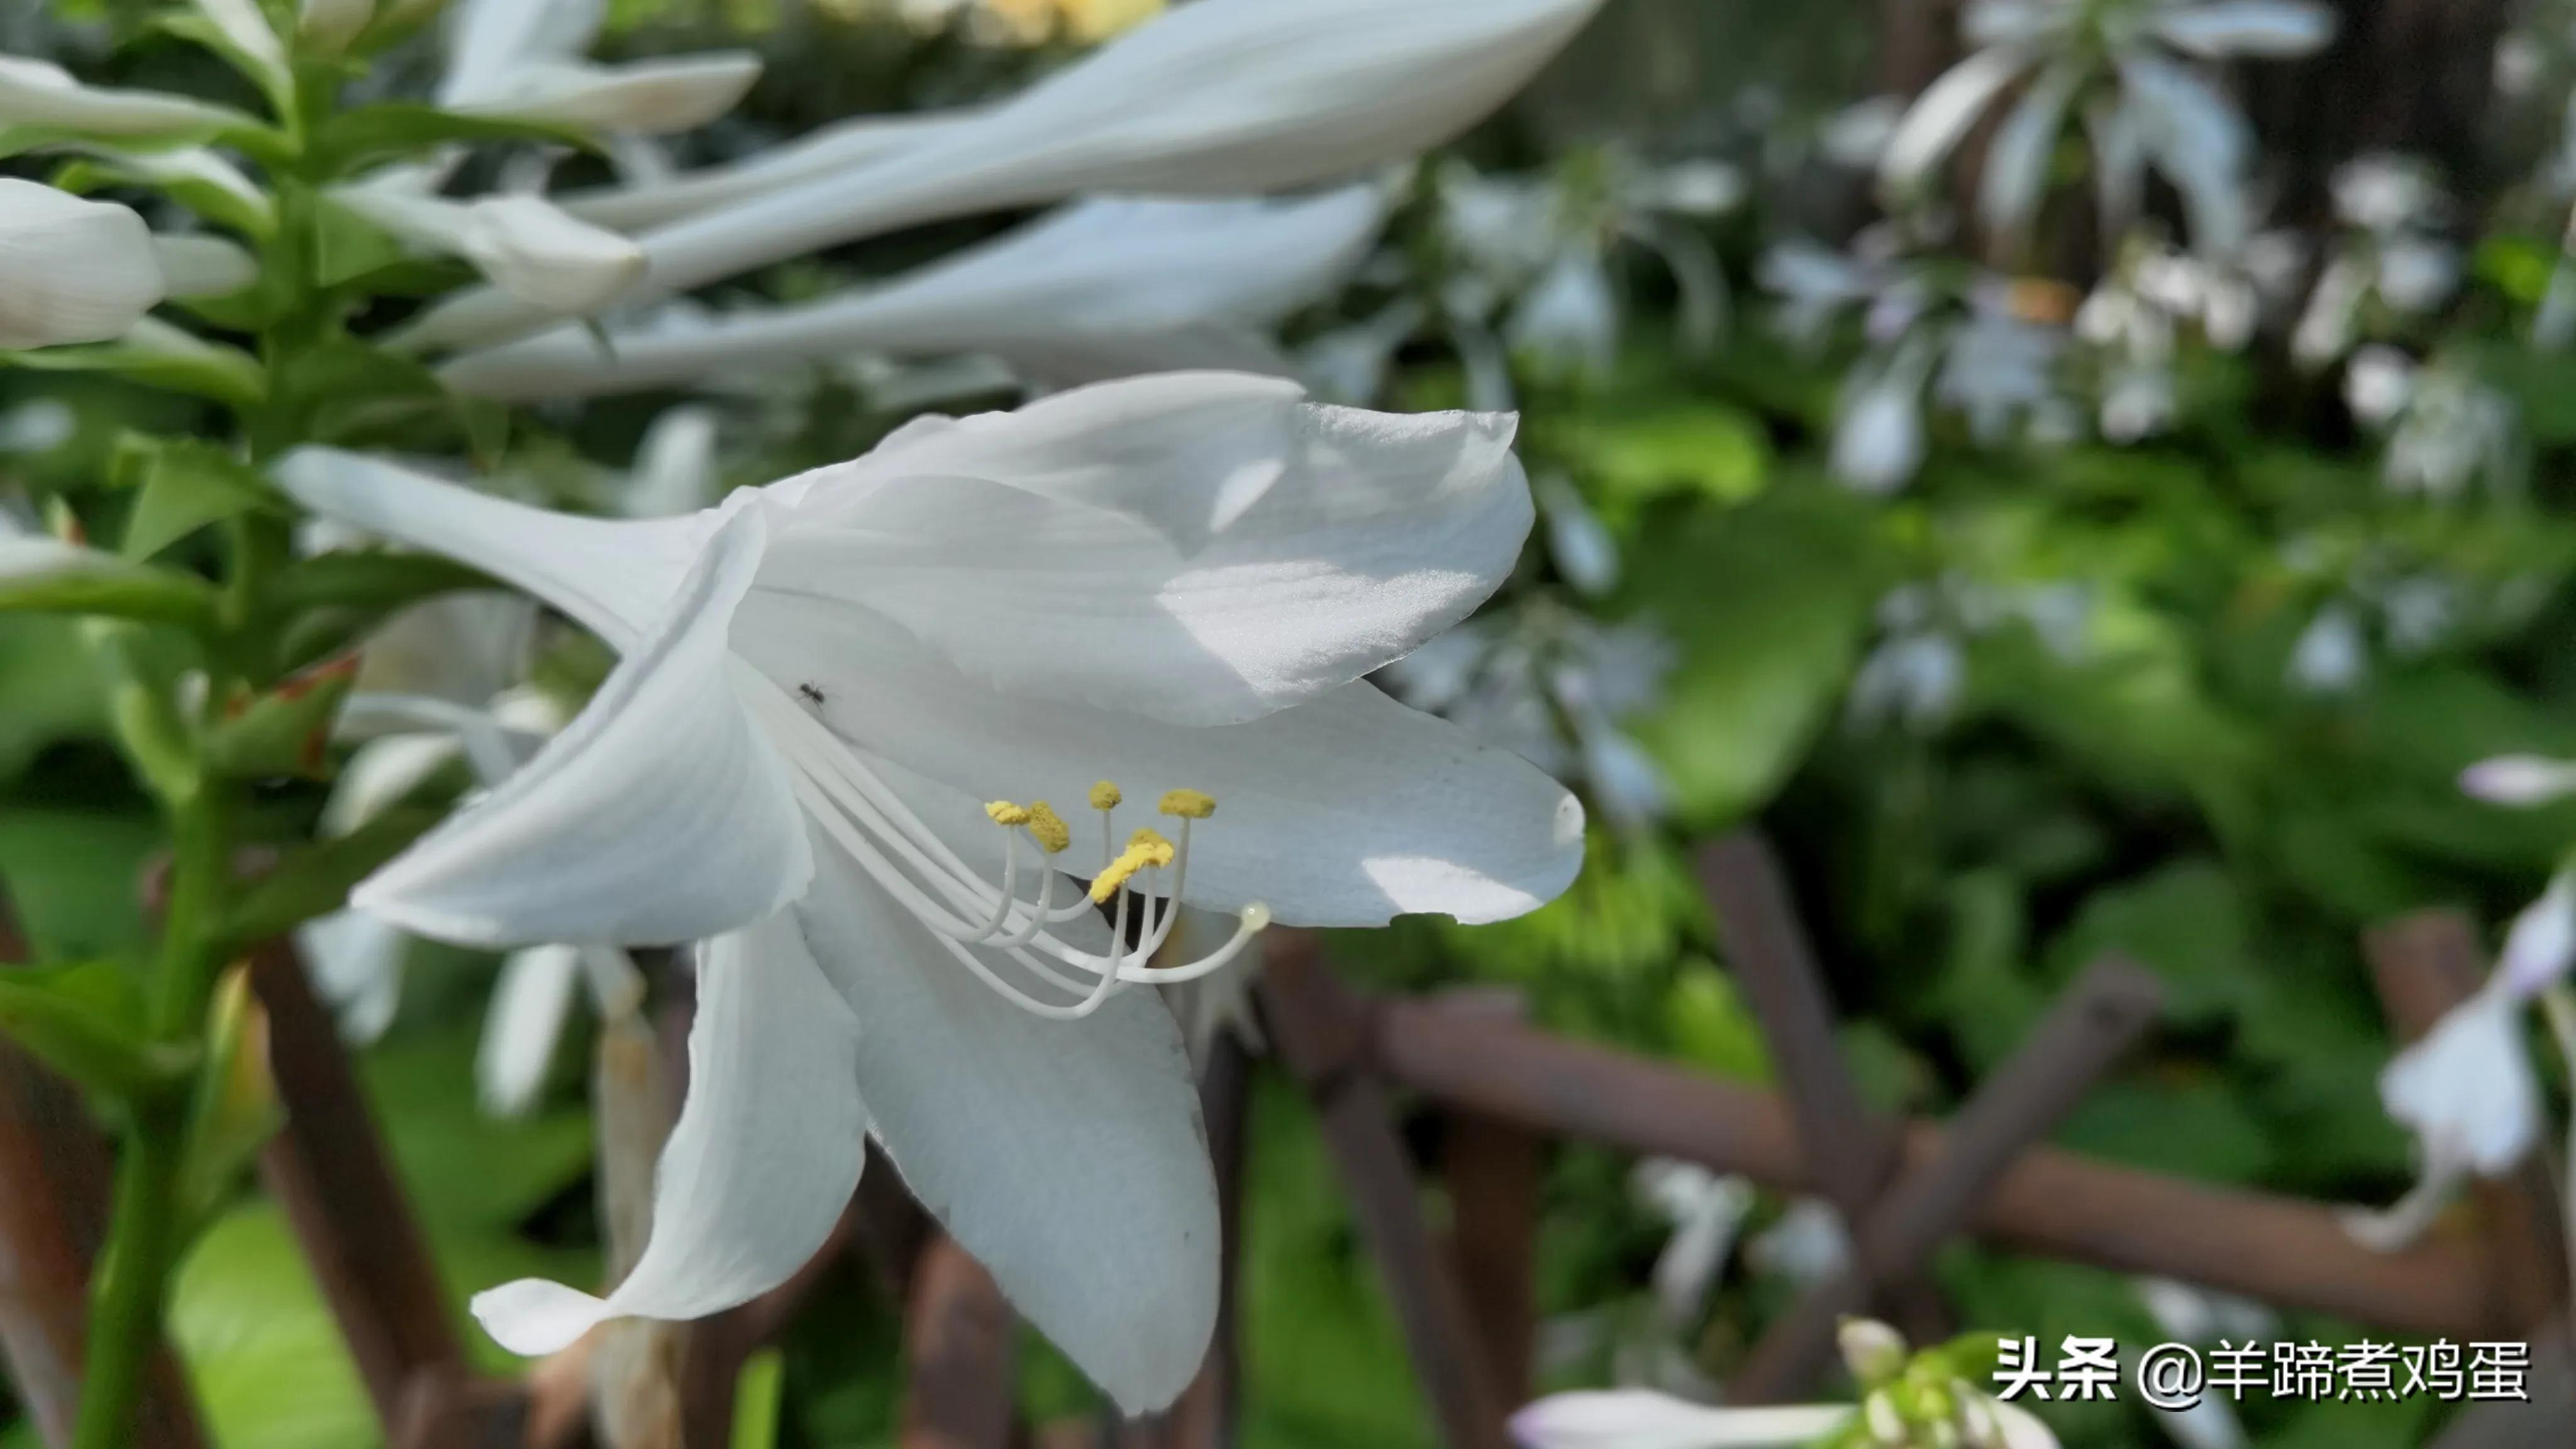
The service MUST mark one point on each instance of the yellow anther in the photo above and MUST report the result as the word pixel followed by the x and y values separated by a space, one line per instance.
pixel 1105 796
pixel 1145 851
pixel 1052 834
pixel 1188 804
pixel 1006 813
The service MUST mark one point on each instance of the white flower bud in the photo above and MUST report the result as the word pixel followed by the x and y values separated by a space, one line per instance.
pixel 71 270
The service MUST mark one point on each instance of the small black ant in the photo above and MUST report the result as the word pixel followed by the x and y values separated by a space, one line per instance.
pixel 813 692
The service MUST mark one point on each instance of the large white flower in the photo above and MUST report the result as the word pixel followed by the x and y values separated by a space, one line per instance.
pixel 2125 67
pixel 1177 582
pixel 523 59
pixel 1221 96
pixel 71 270
pixel 1103 289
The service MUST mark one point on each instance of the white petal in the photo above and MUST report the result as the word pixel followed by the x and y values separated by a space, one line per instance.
pixel 247 31
pixel 660 815
pixel 538 254
pixel 675 466
pixel 1114 268
pixel 1201 548
pixel 1066 1156
pixel 2018 159
pixel 489 40
pixel 615 577
pixel 2542 944
pixel 2466 1089
pixel 2198 140
pixel 41 94
pixel 2022 1428
pixel 356 962
pixel 1249 95
pixel 1643 1419
pixel 841 146
pixel 764 1158
pixel 645 98
pixel 380 772
pixel 522 1025
pixel 71 270
pixel 1346 810
pixel 203 266
pixel 1941 117
pixel 1878 445
pixel 2270 29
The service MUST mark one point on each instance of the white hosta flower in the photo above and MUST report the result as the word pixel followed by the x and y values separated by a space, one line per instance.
pixel 1245 95
pixel 203 266
pixel 1180 581
pixel 2332 655
pixel 675 466
pixel 845 145
pixel 1568 324
pixel 1103 288
pixel 1643 1419
pixel 1706 1212
pixel 523 60
pixel 529 249
pixel 2467 1093
pixel 2520 780
pixel 1878 441
pixel 2542 944
pixel 71 270
pixel 42 95
pixel 2163 112
pixel 2378 384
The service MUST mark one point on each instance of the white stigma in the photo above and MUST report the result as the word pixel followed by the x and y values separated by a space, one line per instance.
pixel 986 925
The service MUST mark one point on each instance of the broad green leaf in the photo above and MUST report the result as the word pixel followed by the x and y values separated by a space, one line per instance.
pixel 1682 445
pixel 85 1022
pixel 50 679
pixel 74 877
pixel 183 484
pixel 263 1352
pixel 156 354
pixel 1769 604
pixel 44 576
pixel 285 730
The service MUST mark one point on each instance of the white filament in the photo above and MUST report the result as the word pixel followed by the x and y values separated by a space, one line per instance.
pixel 968 915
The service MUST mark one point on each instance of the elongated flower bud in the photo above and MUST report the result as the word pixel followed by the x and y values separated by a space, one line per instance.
pixel 71 270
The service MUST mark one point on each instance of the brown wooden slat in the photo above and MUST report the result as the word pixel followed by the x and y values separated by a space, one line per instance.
pixel 2084 1033
pixel 2050 1203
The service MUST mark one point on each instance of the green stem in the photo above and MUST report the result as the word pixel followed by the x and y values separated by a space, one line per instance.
pixel 145 1234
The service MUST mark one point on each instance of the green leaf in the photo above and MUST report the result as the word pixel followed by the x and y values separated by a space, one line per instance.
pixel 51 680
pixel 1683 445
pixel 72 874
pixel 758 1396
pixel 157 354
pixel 236 1110
pixel 1711 1026
pixel 215 203
pixel 282 731
pixel 81 1021
pixel 1769 604
pixel 347 246
pixel 184 484
pixel 354 140
pixel 264 1355
pixel 316 880
pixel 343 387
pixel 372 580
pixel 46 577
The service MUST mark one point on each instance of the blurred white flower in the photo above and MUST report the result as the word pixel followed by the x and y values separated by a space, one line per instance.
pixel 1101 289
pixel 2453 430
pixel 535 252
pixel 43 96
pixel 2519 780
pixel 2332 655
pixel 2159 108
pixel 38 425
pixel 1644 1419
pixel 2467 1093
pixel 71 270
pixel 1568 323
pixel 1878 439
pixel 1806 1246
pixel 1246 95
pixel 2541 946
pixel 197 265
pixel 2378 384
pixel 523 59
pixel 1706 1211
pixel 2394 255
